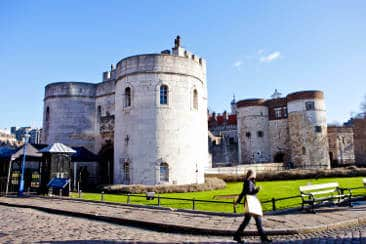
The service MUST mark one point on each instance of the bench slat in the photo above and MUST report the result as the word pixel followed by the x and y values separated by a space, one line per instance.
pixel 323 192
pixel 318 186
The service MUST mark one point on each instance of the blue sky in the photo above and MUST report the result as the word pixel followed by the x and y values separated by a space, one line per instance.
pixel 251 47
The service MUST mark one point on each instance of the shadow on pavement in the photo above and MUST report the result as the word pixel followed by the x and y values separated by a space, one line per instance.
pixel 279 240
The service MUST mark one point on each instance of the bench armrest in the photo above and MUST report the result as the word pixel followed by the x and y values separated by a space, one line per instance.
pixel 309 195
pixel 342 190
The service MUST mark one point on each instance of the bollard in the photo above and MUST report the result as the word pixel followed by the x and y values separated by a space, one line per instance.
pixel 128 198
pixel 28 191
pixel 80 193
pixel 159 200
pixel 102 196
pixel 193 204
pixel 234 206
pixel 60 192
pixel 273 204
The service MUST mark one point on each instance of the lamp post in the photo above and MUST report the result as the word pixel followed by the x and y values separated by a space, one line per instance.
pixel 21 184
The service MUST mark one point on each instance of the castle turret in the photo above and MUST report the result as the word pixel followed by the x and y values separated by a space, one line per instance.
pixel 308 129
pixel 161 119
pixel 252 116
pixel 69 114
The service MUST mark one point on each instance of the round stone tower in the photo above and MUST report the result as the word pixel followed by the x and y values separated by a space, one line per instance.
pixel 69 114
pixel 308 129
pixel 161 119
pixel 254 145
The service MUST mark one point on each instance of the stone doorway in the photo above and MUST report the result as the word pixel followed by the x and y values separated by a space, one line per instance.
pixel 106 164
pixel 279 157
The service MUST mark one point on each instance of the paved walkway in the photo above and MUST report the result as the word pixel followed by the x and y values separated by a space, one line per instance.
pixel 22 225
pixel 190 222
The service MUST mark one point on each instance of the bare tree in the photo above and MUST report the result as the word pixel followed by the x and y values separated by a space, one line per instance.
pixel 363 105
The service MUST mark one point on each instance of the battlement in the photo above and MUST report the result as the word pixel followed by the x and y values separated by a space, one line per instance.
pixel 178 50
pixel 110 75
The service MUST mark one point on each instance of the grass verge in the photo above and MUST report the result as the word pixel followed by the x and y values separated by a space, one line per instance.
pixel 270 189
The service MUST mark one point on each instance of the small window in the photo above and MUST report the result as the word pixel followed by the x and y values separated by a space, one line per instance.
pixel 310 105
pixel 260 133
pixel 48 114
pixel 303 150
pixel 164 172
pixel 127 97
pixel 318 129
pixel 126 172
pixel 163 94
pixel 231 140
pixel 195 99
pixel 278 113
pixel 248 134
pixel 99 111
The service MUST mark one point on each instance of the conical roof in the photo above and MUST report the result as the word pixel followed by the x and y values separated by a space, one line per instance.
pixel 31 151
pixel 58 148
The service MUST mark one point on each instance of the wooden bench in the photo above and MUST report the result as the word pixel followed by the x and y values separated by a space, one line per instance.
pixel 319 193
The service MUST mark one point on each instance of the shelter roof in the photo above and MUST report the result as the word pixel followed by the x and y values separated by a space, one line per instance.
pixel 57 148
pixel 31 151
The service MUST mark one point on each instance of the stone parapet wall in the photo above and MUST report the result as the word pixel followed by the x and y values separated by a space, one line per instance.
pixel 242 168
pixel 159 63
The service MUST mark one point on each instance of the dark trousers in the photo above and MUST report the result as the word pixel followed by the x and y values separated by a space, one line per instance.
pixel 258 222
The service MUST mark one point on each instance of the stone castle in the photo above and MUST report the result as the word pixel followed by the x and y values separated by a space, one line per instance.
pixel 148 123
pixel 291 129
pixel 147 119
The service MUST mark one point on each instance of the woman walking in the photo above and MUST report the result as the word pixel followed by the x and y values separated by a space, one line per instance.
pixel 250 191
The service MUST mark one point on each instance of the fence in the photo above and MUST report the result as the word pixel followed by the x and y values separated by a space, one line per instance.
pixel 272 204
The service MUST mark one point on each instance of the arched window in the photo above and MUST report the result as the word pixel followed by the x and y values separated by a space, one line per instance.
pixel 163 94
pixel 195 99
pixel 47 113
pixel 127 97
pixel 126 172
pixel 164 172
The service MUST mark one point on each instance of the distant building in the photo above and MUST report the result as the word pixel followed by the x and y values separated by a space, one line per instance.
pixel 35 136
pixel 6 139
pixel 290 130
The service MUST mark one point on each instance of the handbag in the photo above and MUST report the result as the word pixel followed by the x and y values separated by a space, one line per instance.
pixel 252 205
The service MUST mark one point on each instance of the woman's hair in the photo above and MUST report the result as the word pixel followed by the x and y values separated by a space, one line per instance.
pixel 250 172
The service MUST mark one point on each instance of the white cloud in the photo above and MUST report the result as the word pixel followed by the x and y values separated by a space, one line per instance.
pixel 270 57
pixel 237 64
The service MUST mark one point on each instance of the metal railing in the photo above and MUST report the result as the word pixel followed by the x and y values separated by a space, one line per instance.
pixel 193 201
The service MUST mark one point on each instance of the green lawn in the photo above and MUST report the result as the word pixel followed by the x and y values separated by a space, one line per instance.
pixel 270 189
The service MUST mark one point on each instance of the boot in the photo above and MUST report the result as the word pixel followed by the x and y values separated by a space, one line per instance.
pixel 264 239
pixel 237 238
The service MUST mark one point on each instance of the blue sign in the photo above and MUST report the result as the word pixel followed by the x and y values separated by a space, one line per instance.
pixel 58 182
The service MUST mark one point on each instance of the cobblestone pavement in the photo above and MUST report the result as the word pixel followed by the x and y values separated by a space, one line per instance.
pixel 19 225
pixel 325 218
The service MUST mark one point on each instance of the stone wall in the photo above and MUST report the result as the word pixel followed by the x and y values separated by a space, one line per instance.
pixel 279 140
pixel 359 130
pixel 253 134
pixel 105 110
pixel 341 146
